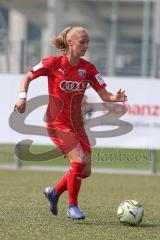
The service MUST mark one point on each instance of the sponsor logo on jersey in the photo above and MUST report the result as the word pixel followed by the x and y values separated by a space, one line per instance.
pixel 99 78
pixel 61 70
pixel 70 86
pixel 82 73
pixel 38 66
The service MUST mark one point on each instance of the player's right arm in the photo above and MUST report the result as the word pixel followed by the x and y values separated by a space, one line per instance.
pixel 43 68
pixel 20 105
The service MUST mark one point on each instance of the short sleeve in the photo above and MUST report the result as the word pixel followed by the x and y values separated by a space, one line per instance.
pixel 43 68
pixel 95 79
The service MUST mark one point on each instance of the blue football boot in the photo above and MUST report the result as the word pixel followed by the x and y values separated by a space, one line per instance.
pixel 73 212
pixel 50 194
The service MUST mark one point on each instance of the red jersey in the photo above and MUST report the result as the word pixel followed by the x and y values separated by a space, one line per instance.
pixel 66 85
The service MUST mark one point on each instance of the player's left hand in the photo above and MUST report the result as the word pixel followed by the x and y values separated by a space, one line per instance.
pixel 120 96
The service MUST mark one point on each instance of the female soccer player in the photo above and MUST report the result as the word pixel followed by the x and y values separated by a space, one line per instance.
pixel 68 76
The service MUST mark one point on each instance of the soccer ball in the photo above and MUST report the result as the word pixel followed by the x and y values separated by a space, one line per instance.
pixel 130 212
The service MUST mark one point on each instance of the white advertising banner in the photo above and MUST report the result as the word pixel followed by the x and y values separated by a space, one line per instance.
pixel 135 124
pixel 140 126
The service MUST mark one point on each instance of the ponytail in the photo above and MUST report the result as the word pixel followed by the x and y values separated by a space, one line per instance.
pixel 60 41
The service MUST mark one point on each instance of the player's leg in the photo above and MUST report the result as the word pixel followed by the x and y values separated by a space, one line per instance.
pixel 61 186
pixel 68 180
pixel 70 142
pixel 84 142
pixel 66 141
pixel 79 169
pixel 87 168
pixel 74 176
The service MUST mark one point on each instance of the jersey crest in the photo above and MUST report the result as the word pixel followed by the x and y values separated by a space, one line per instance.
pixel 82 73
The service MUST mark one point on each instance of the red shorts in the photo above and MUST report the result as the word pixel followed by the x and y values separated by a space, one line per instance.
pixel 67 140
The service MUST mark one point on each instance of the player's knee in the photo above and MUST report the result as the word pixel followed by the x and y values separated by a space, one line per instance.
pixel 80 159
pixel 86 173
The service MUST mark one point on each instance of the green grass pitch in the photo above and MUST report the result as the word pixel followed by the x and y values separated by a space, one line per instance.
pixel 24 211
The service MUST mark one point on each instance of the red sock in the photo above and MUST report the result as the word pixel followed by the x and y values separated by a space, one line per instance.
pixel 61 186
pixel 74 181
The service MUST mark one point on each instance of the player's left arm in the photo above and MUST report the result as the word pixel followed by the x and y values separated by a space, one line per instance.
pixel 106 96
pixel 98 84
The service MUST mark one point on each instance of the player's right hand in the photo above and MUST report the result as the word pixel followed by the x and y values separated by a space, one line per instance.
pixel 20 105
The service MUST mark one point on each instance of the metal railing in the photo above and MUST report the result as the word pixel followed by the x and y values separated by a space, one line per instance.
pixel 119 60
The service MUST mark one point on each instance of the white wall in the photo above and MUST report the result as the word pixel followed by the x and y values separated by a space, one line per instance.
pixel 143 114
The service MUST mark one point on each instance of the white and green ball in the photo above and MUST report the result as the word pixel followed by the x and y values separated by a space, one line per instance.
pixel 130 212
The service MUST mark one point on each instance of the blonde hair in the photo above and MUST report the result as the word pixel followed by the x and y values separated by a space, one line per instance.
pixel 60 42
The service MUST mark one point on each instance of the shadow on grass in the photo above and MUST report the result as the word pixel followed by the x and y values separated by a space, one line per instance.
pixel 91 222
pixel 147 225
pixel 113 223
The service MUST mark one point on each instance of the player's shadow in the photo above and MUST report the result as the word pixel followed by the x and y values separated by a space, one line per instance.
pixel 148 225
pixel 111 223
pixel 92 222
